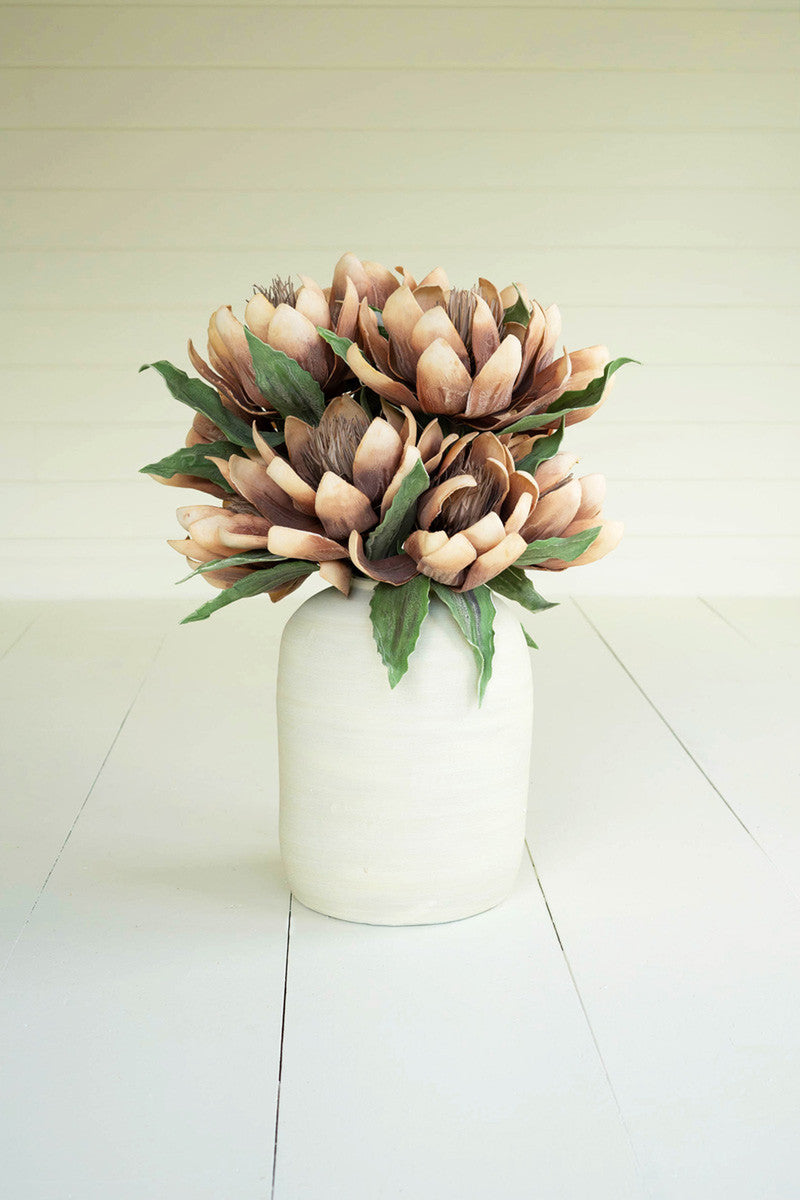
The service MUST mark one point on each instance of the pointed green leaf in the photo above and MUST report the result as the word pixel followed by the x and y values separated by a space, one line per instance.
pixel 567 549
pixel 248 558
pixel 473 612
pixel 253 585
pixel 542 450
pixel 528 638
pixel 194 460
pixel 284 383
pixel 570 401
pixel 395 527
pixel 203 399
pixel 397 614
pixel 339 345
pixel 518 313
pixel 515 585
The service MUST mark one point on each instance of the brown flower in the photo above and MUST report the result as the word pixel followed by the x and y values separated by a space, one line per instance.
pixel 480 513
pixel 333 486
pixel 286 318
pixel 450 352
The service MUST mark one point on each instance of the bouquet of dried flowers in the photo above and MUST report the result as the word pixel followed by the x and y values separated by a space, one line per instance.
pixel 409 433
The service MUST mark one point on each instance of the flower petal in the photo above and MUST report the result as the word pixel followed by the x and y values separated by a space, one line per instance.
pixel 390 389
pixel 376 459
pixel 446 564
pixel 400 315
pixel 348 313
pixel 342 507
pixel 503 555
pixel 252 481
pixel 492 387
pixel 299 492
pixel 423 541
pixel 258 312
pixel 593 493
pixel 338 573
pixel 371 338
pixel 294 334
pixel 396 569
pixel 407 463
pixel 443 382
pixel 297 543
pixel 311 303
pixel 431 502
pixel 382 283
pixel 485 533
pixel 435 324
pixel 485 334
pixel 553 513
pixel 553 470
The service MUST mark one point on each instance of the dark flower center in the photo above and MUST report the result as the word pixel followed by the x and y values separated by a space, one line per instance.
pixel 460 309
pixel 279 291
pixel 466 507
pixel 333 444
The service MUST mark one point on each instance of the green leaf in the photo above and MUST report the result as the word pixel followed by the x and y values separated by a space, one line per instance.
pixel 514 584
pixel 473 612
pixel 567 549
pixel 397 614
pixel 395 527
pixel 203 399
pixel 518 313
pixel 570 401
pixel 339 345
pixel 248 558
pixel 193 460
pixel 253 585
pixel 284 383
pixel 528 638
pixel 543 449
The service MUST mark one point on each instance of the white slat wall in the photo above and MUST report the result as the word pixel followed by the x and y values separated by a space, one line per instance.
pixel 638 164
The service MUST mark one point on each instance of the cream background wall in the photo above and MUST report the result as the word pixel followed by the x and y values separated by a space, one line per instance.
pixel 638 164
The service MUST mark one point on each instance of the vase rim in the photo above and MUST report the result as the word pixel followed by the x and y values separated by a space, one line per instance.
pixel 363 585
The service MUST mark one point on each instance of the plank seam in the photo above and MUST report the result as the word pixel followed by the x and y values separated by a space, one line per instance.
pixel 589 1026
pixel 730 624
pixel 115 739
pixel 21 635
pixel 687 751
pixel 280 1054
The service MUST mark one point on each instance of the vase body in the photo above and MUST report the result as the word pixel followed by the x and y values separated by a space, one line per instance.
pixel 404 806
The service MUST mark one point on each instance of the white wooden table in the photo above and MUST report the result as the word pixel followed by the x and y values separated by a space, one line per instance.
pixel 626 1025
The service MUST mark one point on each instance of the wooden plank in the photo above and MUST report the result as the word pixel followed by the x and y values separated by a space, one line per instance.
pixel 683 940
pixel 368 37
pixel 142 1008
pixel 602 276
pixel 60 715
pixel 365 162
pixel 656 336
pixel 569 218
pixel 678 565
pixel 595 99
pixel 770 622
pixel 457 1053
pixel 653 508
pixel 109 450
pixel 735 710
pixel 663 393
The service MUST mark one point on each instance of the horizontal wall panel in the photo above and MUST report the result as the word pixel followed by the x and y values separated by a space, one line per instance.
pixel 568 5
pixel 239 98
pixel 652 335
pixel 303 222
pixel 650 508
pixel 640 566
pixel 754 396
pixel 616 276
pixel 113 450
pixel 358 163
pixel 370 37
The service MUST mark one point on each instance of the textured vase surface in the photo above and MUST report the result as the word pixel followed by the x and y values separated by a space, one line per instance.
pixel 404 806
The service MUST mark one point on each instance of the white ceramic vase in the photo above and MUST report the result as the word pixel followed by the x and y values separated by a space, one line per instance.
pixel 404 806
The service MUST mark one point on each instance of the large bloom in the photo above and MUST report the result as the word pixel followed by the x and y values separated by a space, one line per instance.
pixel 321 501
pixel 453 352
pixel 286 317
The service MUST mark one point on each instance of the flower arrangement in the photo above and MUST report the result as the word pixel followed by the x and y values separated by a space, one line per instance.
pixel 406 433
